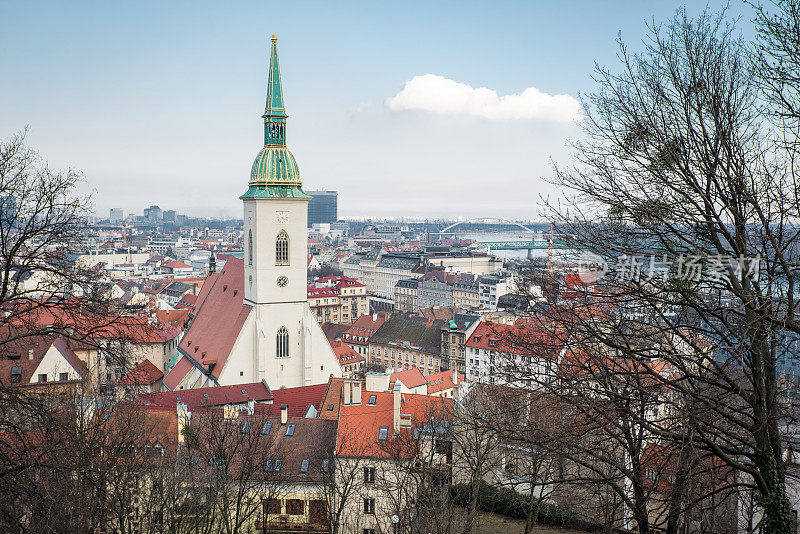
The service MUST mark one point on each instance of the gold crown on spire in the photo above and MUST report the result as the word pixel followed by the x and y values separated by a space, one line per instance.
pixel 274 37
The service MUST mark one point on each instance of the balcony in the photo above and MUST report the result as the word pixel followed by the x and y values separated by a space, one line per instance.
pixel 287 524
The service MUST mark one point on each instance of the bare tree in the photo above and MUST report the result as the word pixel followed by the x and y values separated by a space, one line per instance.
pixel 344 475
pixel 687 192
pixel 43 289
pixel 46 293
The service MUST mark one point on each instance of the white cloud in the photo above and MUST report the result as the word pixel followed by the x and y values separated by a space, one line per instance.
pixel 436 94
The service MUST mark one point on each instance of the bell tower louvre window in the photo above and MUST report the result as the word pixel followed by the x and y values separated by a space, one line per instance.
pixel 250 248
pixel 282 248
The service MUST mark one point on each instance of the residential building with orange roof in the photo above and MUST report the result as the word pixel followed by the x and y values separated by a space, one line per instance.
pixel 175 268
pixel 446 383
pixel 496 354
pixel 175 318
pixel 42 362
pixel 388 439
pixel 139 338
pixel 410 381
pixel 360 332
pixel 143 378
pixel 350 361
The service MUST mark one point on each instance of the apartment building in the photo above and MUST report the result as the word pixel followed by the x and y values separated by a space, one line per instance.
pixel 454 336
pixel 405 295
pixel 360 332
pixel 337 299
pixel 405 341
pixel 494 355
pixel 466 291
pixel 435 289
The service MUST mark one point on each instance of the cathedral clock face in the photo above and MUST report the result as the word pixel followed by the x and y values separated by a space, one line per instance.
pixel 282 217
pixel 282 281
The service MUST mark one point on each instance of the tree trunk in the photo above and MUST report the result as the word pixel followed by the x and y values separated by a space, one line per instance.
pixel 777 508
pixel 641 516
pixel 470 526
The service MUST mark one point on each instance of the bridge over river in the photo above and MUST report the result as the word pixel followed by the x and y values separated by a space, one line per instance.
pixel 523 238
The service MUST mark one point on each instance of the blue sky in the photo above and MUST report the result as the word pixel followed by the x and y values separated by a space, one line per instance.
pixel 160 102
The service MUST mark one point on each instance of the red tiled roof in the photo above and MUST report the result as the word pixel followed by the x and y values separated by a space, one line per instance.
pixel 345 354
pixel 187 301
pixel 334 330
pixel 175 318
pixel 314 292
pixel 444 380
pixel 96 327
pixel 411 378
pixel 365 326
pixel 213 396
pixel 26 369
pixel 143 374
pixel 175 264
pixel 440 276
pixel 297 399
pixel 500 338
pixel 438 313
pixel 220 313
pixel 20 350
pixel 332 399
pixel 359 424
pixel 178 373
pixel 576 280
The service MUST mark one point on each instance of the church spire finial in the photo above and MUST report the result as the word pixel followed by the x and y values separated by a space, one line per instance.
pixel 274 114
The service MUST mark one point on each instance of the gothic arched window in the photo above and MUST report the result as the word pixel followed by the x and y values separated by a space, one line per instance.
pixel 250 248
pixel 282 343
pixel 282 248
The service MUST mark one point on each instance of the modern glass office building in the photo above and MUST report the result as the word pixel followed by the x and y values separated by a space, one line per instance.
pixel 322 208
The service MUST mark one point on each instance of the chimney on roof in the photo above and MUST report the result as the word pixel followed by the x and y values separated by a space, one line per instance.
pixel 184 416
pixel 374 316
pixel 348 393
pixel 396 409
pixel 251 406
pixel 30 354
pixel 455 377
pixel 356 393
pixel 284 413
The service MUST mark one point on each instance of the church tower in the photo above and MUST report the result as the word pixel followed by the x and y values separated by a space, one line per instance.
pixel 275 211
pixel 275 255
pixel 254 322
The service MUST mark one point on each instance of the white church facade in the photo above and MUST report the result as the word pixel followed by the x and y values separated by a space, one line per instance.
pixel 252 320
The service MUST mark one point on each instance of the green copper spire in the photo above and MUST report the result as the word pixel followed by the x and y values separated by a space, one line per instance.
pixel 275 173
pixel 274 114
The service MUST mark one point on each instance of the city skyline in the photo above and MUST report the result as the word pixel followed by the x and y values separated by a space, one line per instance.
pixel 453 102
